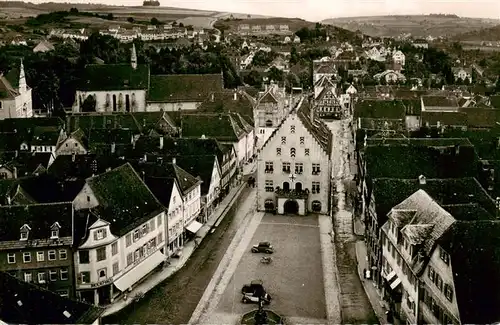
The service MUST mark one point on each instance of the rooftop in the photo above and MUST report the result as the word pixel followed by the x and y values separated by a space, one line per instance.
pixel 388 109
pixel 102 77
pixel 185 87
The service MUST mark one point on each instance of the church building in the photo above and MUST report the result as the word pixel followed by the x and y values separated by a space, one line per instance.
pixel 15 95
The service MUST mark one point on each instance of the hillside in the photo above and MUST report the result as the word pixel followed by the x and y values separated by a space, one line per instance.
pixel 416 25
pixel 484 34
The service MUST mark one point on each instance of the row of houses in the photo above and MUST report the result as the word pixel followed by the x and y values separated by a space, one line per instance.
pixel 246 29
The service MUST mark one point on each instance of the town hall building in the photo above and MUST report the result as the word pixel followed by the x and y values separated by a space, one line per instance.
pixel 294 165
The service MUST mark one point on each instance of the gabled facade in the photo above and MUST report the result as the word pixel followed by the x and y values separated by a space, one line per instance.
pixel 15 95
pixel 294 165
pixel 269 111
pixel 74 144
pixel 399 58
pixel 122 234
pixel 327 103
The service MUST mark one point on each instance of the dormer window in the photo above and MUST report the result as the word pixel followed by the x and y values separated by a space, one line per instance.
pixel 100 234
pixel 54 230
pixel 25 230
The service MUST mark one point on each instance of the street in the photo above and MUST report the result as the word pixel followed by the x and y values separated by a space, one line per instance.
pixel 174 301
pixel 355 306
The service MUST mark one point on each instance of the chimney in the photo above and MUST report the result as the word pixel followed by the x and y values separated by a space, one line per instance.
pixel 8 199
pixel 174 161
pixel 145 158
pixel 14 171
pixel 422 180
pixel 73 156
pixel 161 142
pixel 212 97
pixel 113 147
pixel 235 96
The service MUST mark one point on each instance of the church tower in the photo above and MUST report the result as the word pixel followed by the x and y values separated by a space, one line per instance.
pixel 133 58
pixel 22 79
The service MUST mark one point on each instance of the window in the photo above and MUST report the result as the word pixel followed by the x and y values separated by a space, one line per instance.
pixel 24 235
pixel 299 168
pixel 262 131
pixel 130 259
pixel 84 257
pixel 63 293
pixel 41 277
pixel 137 235
pixel 444 256
pixel 11 258
pixel 292 152
pixel 27 277
pixel 40 256
pixel 128 240
pixel 54 234
pixel 159 220
pixel 52 255
pixel 26 257
pixel 100 234
pixel 85 277
pixel 88 198
pixel 286 167
pixel 269 186
pixel 306 152
pixel 116 268
pixel 152 223
pixel 316 170
pixel 52 275
pixel 101 273
pixel 101 254
pixel 431 274
pixel 439 282
pixel 114 248
pixel 302 140
pixel 278 151
pixel 64 274
pixel 448 292
pixel 269 167
pixel 283 140
pixel 160 237
pixel 144 229
pixel 292 128
pixel 63 254
pixel 315 187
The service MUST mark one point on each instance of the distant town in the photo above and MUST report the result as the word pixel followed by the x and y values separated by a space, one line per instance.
pixel 251 171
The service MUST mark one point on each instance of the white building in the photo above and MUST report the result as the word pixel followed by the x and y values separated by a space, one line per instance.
pixel 123 234
pixel 269 111
pixel 399 58
pixel 462 74
pixel 294 165
pixel 15 95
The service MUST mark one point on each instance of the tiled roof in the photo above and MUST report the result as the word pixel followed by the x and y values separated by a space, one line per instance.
pixel 381 124
pixel 222 127
pixel 45 136
pixel 267 97
pixel 39 217
pixel 162 188
pixel 124 200
pixel 27 162
pixel 447 192
pixel 138 122
pixel 114 77
pixel 225 102
pixel 422 142
pixel 199 166
pixel 67 167
pixel 186 87
pixel 481 117
pixel 475 265
pixel 388 109
pixel 7 91
pixel 413 106
pixel 317 128
pixel 25 126
pixel 441 101
pixel 26 303
pixel 457 119
pixel 495 101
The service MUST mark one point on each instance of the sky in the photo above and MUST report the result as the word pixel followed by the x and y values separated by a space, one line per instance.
pixel 316 10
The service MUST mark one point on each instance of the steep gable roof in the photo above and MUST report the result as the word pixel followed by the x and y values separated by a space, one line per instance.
pixel 124 200
pixel 26 303
pixel 316 127
pixel 222 127
pixel 390 109
pixel 199 166
pixel 114 77
pixel 184 87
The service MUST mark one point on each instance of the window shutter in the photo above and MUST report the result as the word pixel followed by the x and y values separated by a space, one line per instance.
pixel 95 235
pixel 104 233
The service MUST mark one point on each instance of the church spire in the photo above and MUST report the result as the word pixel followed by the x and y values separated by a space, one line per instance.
pixel 133 58
pixel 22 79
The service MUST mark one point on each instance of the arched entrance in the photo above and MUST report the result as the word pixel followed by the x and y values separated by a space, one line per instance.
pixel 286 186
pixel 298 186
pixel 269 205
pixel 291 207
pixel 316 206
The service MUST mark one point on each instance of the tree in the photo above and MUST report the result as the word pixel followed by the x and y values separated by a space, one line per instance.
pixel 130 19
pixel 275 74
pixel 89 104
pixel 253 79
pixel 73 11
pixel 181 25
pixel 110 16
pixel 155 21
pixel 294 56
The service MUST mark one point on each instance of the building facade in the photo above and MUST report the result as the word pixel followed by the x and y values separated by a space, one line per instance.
pixel 15 95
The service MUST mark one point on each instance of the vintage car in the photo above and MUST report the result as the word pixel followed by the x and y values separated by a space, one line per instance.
pixel 263 247
pixel 253 291
pixel 250 298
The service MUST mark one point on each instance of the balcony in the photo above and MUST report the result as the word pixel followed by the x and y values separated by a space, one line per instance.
pixel 292 194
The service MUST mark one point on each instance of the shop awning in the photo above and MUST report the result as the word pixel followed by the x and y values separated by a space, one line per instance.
pixel 390 276
pixel 194 226
pixel 138 272
pixel 395 283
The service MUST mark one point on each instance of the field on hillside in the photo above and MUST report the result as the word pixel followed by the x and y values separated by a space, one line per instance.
pixel 416 25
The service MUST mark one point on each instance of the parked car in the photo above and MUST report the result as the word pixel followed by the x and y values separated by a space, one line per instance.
pixel 263 247
pixel 250 298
